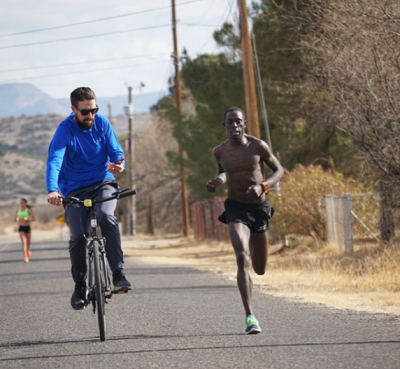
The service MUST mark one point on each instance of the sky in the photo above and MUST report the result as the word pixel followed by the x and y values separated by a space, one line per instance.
pixel 107 45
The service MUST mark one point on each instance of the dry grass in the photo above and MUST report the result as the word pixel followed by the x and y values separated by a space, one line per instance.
pixel 368 280
pixel 369 269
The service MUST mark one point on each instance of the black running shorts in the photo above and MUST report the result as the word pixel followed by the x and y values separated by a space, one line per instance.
pixel 25 229
pixel 255 216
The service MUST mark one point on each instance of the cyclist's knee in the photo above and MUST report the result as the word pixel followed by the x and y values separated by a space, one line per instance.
pixel 76 242
pixel 107 219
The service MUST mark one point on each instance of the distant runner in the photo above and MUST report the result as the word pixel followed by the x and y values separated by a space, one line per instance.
pixel 247 212
pixel 24 216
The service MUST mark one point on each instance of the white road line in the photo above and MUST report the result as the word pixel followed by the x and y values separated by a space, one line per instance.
pixel 2 247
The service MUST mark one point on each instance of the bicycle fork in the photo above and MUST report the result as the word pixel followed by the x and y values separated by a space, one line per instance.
pixel 95 241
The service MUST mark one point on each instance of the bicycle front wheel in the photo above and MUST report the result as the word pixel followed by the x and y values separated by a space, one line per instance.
pixel 99 290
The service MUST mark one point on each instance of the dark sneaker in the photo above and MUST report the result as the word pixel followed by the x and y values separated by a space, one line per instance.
pixel 121 284
pixel 252 325
pixel 78 298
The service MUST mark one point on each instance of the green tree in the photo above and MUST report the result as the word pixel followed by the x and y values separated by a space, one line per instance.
pixel 299 116
pixel 299 120
pixel 213 83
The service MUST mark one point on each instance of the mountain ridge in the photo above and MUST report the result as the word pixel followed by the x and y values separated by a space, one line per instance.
pixel 23 99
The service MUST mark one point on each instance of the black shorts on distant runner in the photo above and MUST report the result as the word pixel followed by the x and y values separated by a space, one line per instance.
pixel 255 216
pixel 25 229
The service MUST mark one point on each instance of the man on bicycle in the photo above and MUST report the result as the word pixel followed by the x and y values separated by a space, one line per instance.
pixel 240 163
pixel 84 155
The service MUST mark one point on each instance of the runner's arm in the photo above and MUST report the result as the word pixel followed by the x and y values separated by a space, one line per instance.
pixel 272 162
pixel 32 215
pixel 220 177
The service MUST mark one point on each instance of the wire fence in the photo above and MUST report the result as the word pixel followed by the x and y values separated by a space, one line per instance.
pixel 351 218
pixel 205 220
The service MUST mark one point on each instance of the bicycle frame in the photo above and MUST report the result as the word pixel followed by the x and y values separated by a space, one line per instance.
pixel 99 285
pixel 94 241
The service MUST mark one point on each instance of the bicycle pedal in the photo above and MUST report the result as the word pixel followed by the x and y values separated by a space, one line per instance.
pixel 120 291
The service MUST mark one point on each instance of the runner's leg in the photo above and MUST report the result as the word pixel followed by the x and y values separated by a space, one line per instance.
pixel 28 241
pixel 259 251
pixel 22 236
pixel 240 235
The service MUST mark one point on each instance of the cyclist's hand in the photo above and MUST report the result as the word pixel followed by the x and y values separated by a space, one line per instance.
pixel 115 168
pixel 53 198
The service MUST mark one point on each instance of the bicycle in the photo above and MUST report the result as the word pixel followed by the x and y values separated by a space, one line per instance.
pixel 99 285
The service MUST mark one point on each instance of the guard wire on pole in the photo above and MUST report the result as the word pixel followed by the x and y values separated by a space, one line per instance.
pixel 265 118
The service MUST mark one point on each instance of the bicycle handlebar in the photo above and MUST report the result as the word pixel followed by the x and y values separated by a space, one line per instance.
pixel 68 200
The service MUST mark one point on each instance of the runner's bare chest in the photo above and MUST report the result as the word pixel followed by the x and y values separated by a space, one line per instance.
pixel 240 159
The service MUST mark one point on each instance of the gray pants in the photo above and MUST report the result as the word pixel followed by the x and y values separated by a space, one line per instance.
pixel 78 220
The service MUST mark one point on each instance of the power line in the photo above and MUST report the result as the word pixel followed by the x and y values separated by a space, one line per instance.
pixel 230 7
pixel 77 63
pixel 223 20
pixel 94 20
pixel 198 25
pixel 79 72
pixel 83 37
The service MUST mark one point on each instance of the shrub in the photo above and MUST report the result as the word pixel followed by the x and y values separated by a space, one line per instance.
pixel 299 211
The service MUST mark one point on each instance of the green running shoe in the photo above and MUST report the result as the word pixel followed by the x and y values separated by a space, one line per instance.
pixel 253 327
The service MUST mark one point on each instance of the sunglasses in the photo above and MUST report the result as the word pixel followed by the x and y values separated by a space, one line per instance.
pixel 87 111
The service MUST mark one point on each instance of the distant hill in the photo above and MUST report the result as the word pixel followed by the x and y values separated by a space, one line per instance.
pixel 17 99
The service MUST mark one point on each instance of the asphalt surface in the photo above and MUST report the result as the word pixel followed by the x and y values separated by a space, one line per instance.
pixel 175 317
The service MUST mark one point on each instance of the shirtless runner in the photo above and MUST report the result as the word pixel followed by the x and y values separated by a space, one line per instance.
pixel 247 212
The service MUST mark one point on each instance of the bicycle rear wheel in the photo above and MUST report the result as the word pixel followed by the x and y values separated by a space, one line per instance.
pixel 99 290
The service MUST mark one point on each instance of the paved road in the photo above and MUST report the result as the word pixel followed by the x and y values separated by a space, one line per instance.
pixel 176 317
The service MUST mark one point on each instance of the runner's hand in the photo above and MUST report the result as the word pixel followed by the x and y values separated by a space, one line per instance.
pixel 53 198
pixel 212 185
pixel 254 190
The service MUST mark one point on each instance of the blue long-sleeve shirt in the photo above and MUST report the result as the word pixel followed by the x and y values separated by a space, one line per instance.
pixel 78 158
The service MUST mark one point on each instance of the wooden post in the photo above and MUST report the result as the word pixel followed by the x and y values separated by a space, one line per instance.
pixel 248 72
pixel 178 95
pixel 129 167
pixel 110 113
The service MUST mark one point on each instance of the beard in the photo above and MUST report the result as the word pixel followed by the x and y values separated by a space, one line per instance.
pixel 86 123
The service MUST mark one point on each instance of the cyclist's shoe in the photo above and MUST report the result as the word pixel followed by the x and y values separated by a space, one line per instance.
pixel 78 298
pixel 252 325
pixel 121 284
pixel 29 254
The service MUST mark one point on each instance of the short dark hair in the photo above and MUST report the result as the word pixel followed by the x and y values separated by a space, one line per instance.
pixel 234 108
pixel 81 94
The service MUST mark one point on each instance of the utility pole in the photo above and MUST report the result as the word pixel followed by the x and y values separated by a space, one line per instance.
pixel 178 95
pixel 129 167
pixel 109 113
pixel 248 72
